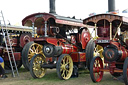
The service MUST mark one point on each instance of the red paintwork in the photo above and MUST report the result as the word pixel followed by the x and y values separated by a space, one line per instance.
pixel 17 56
pixel 75 56
pixel 69 23
pixel 103 31
pixel 122 49
pixel 82 56
pixel 85 37
pixel 49 59
pixel 78 56
pixel 73 39
pixel 52 40
pixel 25 38
pixel 68 48
pixel 13 42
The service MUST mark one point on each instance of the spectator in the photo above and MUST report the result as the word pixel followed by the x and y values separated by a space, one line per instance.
pixel 2 71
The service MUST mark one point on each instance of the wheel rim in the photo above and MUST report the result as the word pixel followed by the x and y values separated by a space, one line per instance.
pixel 96 74
pixel 34 49
pixel 65 67
pixel 38 71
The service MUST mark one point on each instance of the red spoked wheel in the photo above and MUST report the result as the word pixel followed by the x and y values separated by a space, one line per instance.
pixel 125 71
pixel 96 65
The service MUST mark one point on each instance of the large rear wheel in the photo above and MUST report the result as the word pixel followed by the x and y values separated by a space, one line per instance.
pixel 29 51
pixel 64 66
pixel 35 66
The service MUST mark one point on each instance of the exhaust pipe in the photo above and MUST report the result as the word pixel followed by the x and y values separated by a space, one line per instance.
pixel 52 6
pixel 111 5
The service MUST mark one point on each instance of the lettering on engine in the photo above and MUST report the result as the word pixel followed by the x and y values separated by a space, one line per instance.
pixel 103 41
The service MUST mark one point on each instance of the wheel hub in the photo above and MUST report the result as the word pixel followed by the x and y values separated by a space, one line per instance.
pixel 97 70
pixel 48 49
pixel 66 66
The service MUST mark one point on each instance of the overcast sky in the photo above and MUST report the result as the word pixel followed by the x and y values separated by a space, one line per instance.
pixel 16 10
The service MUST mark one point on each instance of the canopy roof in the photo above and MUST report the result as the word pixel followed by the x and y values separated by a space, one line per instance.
pixel 17 28
pixel 115 19
pixel 58 19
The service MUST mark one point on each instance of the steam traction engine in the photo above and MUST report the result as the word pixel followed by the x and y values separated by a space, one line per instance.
pixel 60 43
pixel 19 36
pixel 110 45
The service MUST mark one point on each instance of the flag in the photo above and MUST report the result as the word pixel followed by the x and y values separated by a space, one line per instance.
pixel 125 11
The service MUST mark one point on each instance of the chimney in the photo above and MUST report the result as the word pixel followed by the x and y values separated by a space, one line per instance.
pixel 52 6
pixel 111 5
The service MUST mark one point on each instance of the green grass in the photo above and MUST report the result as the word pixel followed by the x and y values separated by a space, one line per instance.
pixel 22 69
pixel 51 78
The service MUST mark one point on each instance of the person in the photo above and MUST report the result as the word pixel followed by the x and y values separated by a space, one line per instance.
pixel 2 71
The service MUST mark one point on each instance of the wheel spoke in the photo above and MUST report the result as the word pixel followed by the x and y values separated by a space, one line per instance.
pixel 33 47
pixel 95 73
pixel 38 71
pixel 31 51
pixel 37 48
pixel 67 61
pixel 65 68
pixel 31 54
pixel 63 73
pixel 63 61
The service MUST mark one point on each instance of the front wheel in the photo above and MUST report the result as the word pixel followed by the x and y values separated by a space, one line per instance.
pixel 64 66
pixel 96 65
pixel 125 71
pixel 35 66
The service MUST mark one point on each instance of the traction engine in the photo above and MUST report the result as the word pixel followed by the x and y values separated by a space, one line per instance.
pixel 60 43
pixel 19 36
pixel 110 47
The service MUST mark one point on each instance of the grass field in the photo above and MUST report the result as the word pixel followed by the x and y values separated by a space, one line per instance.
pixel 51 78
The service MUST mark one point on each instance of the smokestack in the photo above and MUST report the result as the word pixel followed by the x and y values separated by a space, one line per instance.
pixel 111 5
pixel 52 6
